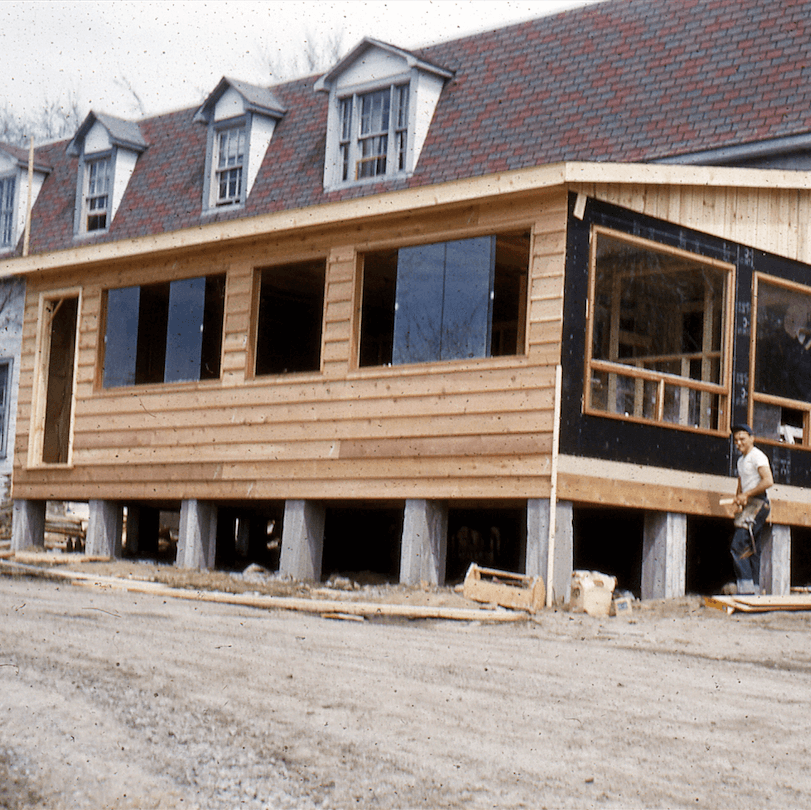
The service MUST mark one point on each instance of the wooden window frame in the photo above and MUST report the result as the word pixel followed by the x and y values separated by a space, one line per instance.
pixel 8 187
pixel 394 159
pixel 36 439
pixel 722 389
pixel 93 207
pixel 770 399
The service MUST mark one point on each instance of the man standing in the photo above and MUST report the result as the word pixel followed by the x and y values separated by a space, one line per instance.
pixel 754 478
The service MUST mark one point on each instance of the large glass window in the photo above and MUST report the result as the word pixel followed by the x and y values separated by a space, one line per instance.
pixel 781 396
pixel 658 333
pixel 444 301
pixel 291 311
pixel 167 332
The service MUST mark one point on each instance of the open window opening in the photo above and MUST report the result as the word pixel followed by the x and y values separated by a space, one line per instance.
pixel 290 318
pixel 781 383
pixel 445 301
pixel 489 537
pixel 362 542
pixel 166 332
pixel 657 333
pixel 59 359
pixel 610 540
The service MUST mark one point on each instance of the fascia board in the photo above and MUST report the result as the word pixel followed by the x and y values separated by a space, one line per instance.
pixel 408 200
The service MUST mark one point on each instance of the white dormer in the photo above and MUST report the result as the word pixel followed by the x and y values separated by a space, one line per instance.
pixel 381 102
pixel 108 150
pixel 241 119
pixel 14 193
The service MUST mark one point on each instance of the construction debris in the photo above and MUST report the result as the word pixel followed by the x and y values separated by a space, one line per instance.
pixel 592 592
pixel 318 606
pixel 759 604
pixel 516 591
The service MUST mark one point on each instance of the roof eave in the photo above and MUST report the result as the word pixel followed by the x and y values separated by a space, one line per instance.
pixel 461 191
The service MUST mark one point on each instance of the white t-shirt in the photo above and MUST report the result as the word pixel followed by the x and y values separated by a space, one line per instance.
pixel 748 466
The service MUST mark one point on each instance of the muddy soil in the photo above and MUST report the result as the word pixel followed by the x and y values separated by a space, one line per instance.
pixel 111 699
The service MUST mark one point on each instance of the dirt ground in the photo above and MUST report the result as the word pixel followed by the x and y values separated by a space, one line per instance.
pixel 114 699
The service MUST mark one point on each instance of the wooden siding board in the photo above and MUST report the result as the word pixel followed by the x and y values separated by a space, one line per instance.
pixel 469 429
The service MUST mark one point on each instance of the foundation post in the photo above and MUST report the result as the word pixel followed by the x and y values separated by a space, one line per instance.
pixel 104 527
pixel 537 558
pixel 27 525
pixel 197 535
pixel 302 539
pixel 664 555
pixel 424 546
pixel 775 560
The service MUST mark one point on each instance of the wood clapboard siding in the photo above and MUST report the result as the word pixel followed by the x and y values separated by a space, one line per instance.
pixel 477 429
pixel 774 220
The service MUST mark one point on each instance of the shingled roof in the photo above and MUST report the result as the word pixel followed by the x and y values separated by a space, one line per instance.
pixel 623 81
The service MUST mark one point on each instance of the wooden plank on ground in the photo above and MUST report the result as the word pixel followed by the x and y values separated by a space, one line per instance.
pixel 759 604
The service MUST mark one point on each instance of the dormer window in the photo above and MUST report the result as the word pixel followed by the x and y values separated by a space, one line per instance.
pixel 7 211
pixel 381 103
pixel 108 149
pixel 241 120
pixel 14 192
pixel 97 194
pixel 230 164
pixel 374 133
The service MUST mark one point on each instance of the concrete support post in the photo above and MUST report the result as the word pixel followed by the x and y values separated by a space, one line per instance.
pixel 197 535
pixel 424 546
pixel 537 559
pixel 104 528
pixel 303 539
pixel 775 560
pixel 27 525
pixel 664 555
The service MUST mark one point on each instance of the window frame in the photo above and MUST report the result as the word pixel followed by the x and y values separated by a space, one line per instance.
pixel 8 210
pixel 801 406
pixel 398 133
pixel 5 406
pixel 224 173
pixel 101 387
pixel 90 195
pixel 722 389
pixel 522 299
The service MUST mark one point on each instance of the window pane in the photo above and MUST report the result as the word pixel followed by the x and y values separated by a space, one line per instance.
pixel 291 310
pixel 121 337
pixel 783 351
pixel 166 332
pixel 184 339
pixel 468 304
pixel 419 303
pixel 445 301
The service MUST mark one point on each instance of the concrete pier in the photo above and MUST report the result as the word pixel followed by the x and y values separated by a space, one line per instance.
pixel 424 546
pixel 302 539
pixel 537 555
pixel 664 555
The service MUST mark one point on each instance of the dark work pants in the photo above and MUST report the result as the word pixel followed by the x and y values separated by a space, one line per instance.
pixel 748 568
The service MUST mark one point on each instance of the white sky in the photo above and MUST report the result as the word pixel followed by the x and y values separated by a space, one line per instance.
pixel 174 53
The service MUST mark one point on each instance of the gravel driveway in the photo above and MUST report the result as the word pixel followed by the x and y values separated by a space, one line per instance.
pixel 112 699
